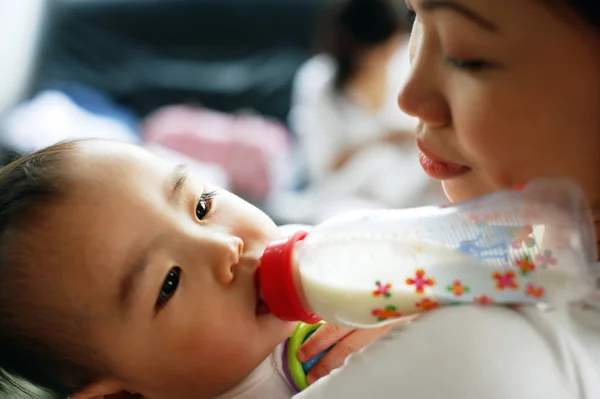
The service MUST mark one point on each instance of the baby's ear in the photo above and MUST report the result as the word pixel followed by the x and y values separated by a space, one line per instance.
pixel 103 390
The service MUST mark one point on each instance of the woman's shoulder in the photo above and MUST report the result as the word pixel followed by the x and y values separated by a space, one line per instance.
pixel 464 352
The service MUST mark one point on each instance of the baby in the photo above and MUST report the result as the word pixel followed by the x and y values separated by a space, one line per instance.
pixel 123 276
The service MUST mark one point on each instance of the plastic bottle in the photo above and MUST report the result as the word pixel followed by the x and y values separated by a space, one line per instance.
pixel 532 244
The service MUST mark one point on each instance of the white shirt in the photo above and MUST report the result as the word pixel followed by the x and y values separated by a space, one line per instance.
pixel 472 352
pixel 464 352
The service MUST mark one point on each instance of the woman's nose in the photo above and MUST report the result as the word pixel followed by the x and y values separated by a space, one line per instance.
pixel 422 93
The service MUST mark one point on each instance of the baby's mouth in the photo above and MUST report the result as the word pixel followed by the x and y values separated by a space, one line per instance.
pixel 262 308
pixel 261 305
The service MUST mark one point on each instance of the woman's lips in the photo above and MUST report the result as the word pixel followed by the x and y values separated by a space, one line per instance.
pixel 438 168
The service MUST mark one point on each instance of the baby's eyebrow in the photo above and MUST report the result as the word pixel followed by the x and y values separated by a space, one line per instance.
pixel 179 176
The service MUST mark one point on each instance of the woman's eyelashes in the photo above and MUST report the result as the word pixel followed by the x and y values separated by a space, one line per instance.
pixel 469 65
pixel 411 16
pixel 463 64
pixel 168 288
pixel 204 204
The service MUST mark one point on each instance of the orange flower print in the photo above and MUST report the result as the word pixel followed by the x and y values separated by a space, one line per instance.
pixel 522 236
pixel 526 265
pixel 427 304
pixel 534 292
pixel 383 290
pixel 458 289
pixel 483 300
pixel 506 280
pixel 420 281
pixel 389 312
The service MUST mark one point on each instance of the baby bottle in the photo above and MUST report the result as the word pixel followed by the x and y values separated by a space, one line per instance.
pixel 532 244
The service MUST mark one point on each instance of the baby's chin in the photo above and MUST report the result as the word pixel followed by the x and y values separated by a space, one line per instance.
pixel 277 330
pixel 257 357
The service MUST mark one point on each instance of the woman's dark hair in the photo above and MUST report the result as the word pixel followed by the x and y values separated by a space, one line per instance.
pixel 350 27
pixel 588 9
pixel 33 346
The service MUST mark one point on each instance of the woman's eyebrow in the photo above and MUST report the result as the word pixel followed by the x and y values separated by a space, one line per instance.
pixel 434 5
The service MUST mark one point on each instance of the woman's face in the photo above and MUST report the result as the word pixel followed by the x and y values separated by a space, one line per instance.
pixel 506 91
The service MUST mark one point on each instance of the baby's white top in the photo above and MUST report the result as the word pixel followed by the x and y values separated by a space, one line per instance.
pixel 266 382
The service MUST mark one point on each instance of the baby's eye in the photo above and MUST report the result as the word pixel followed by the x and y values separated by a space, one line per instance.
pixel 204 204
pixel 169 287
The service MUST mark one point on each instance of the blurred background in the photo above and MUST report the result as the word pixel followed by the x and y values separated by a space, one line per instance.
pixel 291 104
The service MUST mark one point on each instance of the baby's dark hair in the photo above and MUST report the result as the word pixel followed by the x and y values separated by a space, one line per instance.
pixel 34 346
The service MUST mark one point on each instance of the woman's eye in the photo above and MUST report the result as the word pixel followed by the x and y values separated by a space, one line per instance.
pixel 169 287
pixel 204 204
pixel 472 65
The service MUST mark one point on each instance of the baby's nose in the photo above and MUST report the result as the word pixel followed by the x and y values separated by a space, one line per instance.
pixel 228 250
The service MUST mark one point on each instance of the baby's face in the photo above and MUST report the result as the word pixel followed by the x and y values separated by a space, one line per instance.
pixel 162 274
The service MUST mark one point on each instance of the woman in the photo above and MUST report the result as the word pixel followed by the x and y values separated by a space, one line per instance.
pixel 505 91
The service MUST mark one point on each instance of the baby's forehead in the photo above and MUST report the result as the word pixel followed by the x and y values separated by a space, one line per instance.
pixel 107 164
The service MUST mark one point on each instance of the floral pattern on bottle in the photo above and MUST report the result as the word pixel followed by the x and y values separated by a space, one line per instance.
pixel 420 281
pixel 483 300
pixel 506 257
pixel 458 289
pixel 386 313
pixel 526 265
pixel 427 304
pixel 534 292
pixel 383 290
pixel 506 281
pixel 522 237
